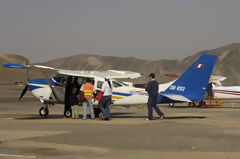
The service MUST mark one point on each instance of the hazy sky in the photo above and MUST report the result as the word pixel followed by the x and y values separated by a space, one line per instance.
pixel 150 29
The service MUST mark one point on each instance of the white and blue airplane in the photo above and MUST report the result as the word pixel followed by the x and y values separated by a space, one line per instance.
pixel 224 92
pixel 189 87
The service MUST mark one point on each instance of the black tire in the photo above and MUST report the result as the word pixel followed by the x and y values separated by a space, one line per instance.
pixel 171 105
pixel 43 111
pixel 97 112
pixel 191 104
pixel 68 113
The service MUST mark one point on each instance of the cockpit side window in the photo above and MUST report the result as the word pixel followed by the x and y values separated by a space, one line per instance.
pixel 116 84
pixel 99 84
pixel 125 84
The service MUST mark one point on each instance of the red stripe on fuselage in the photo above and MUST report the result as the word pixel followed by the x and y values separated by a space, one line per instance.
pixel 228 93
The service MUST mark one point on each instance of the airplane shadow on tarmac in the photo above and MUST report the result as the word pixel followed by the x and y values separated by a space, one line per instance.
pixel 115 115
pixel 124 115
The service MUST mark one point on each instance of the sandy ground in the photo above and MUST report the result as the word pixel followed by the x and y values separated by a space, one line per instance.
pixel 184 133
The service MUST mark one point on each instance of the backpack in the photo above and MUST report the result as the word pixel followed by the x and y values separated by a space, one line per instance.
pixel 99 96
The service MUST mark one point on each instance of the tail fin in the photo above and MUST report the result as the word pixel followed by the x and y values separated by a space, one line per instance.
pixel 192 84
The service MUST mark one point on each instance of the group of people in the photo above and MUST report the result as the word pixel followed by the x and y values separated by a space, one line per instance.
pixel 84 94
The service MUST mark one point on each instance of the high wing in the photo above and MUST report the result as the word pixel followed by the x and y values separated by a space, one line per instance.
pixel 109 73
pixel 45 70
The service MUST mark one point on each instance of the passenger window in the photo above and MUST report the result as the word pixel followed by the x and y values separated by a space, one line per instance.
pixel 116 84
pixel 99 84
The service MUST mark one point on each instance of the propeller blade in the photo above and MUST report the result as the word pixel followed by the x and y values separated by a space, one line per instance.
pixel 23 92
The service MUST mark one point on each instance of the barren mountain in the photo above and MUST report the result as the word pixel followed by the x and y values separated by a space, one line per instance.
pixel 9 76
pixel 226 65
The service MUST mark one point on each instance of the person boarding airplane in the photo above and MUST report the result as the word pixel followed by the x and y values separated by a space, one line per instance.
pixel 88 90
pixel 106 99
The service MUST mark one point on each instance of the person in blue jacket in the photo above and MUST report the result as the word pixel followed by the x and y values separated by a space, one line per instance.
pixel 152 89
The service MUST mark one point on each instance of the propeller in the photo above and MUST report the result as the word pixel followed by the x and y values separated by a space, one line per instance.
pixel 27 84
pixel 23 92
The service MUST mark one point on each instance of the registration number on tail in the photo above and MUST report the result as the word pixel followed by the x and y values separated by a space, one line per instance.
pixel 177 88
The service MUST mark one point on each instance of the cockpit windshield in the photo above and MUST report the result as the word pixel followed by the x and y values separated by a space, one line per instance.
pixel 61 79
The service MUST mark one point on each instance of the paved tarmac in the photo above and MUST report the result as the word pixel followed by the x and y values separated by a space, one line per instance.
pixel 185 132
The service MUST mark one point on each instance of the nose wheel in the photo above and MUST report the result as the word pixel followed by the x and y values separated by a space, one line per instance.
pixel 43 111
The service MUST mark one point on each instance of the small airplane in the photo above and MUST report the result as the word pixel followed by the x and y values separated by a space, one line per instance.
pixel 189 87
pixel 224 92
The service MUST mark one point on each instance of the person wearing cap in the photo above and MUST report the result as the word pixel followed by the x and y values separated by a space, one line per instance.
pixel 152 89
pixel 88 90
pixel 106 99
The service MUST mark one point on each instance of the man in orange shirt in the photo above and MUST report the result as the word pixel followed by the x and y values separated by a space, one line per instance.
pixel 88 90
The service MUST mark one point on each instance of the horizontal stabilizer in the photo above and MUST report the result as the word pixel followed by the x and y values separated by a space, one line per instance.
pixel 175 97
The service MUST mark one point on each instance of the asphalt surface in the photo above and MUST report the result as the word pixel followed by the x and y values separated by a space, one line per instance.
pixel 184 133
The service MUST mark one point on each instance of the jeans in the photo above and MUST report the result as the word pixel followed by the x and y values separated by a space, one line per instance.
pixel 86 103
pixel 75 112
pixel 152 103
pixel 104 106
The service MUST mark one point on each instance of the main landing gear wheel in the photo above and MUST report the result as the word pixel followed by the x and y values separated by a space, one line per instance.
pixel 171 104
pixel 202 104
pixel 43 111
pixel 191 104
pixel 68 113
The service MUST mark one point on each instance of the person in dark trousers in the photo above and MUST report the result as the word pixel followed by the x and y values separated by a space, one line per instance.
pixel 152 89
pixel 68 94
pixel 106 99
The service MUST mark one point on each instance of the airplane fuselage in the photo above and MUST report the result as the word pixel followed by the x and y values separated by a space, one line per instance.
pixel 122 95
pixel 227 92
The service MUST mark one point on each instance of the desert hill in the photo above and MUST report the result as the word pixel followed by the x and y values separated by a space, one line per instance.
pixel 9 76
pixel 227 65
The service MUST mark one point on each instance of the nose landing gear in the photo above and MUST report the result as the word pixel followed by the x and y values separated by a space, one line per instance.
pixel 43 111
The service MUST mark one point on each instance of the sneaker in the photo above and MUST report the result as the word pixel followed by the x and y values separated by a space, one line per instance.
pixel 148 119
pixel 162 116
